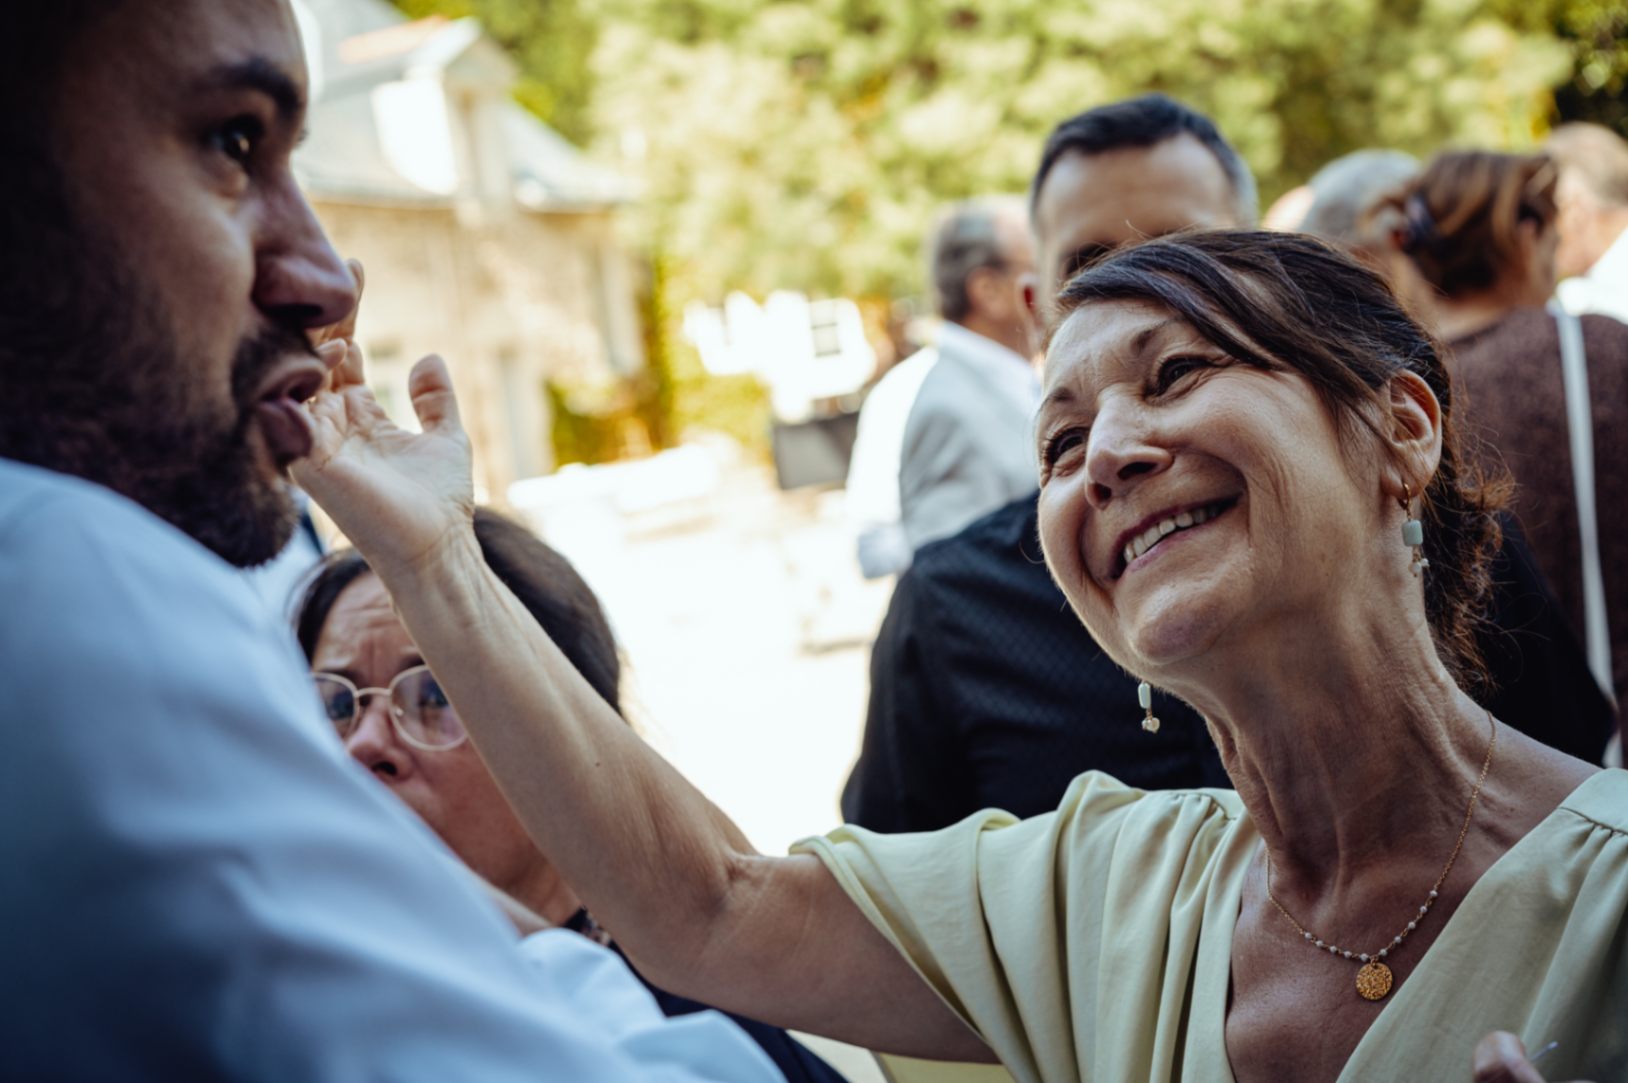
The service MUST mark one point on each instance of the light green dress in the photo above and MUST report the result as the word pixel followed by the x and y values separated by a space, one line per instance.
pixel 1094 942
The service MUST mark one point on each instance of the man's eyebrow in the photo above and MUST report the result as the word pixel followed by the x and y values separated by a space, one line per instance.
pixel 259 73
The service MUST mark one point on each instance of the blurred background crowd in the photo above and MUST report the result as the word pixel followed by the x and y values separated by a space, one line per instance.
pixel 669 249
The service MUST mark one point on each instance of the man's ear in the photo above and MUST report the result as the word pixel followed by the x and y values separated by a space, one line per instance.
pixel 1413 433
pixel 1027 282
pixel 1028 292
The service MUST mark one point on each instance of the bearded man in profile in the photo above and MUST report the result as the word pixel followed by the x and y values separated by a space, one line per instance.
pixel 199 883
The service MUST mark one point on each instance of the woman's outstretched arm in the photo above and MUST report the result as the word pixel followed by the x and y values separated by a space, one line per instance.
pixel 661 867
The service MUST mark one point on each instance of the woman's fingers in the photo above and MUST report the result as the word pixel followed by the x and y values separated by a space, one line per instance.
pixel 352 370
pixel 1501 1058
pixel 332 356
pixel 434 401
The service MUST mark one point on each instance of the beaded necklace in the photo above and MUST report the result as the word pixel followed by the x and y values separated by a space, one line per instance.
pixel 1374 980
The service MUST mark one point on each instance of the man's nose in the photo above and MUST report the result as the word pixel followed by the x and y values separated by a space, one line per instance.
pixel 1121 452
pixel 300 281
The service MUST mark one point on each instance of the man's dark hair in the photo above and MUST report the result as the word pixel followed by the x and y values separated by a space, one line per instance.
pixel 544 581
pixel 32 49
pixel 1145 121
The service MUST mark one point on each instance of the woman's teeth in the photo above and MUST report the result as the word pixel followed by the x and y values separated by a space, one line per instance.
pixel 1152 535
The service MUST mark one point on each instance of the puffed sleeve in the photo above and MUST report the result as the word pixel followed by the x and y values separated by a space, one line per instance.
pixel 1048 933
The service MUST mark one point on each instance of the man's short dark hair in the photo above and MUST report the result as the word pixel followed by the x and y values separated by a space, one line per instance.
pixel 37 36
pixel 1145 121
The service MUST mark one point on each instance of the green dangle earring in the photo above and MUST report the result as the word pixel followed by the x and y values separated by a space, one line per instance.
pixel 1413 532
pixel 1144 696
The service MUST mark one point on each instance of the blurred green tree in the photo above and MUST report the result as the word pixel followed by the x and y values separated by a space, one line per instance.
pixel 805 144
pixel 551 40
pixel 1596 33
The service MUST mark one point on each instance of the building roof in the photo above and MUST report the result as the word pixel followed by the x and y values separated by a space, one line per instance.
pixel 383 128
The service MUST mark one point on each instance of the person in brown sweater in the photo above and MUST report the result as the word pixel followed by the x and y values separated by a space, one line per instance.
pixel 1477 229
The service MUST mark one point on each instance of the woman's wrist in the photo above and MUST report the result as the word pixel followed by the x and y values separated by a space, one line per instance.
pixel 450 572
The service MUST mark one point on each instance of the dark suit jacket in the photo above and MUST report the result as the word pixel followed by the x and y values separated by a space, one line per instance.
pixel 986 691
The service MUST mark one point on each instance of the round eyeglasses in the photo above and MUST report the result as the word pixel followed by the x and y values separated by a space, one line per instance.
pixel 419 710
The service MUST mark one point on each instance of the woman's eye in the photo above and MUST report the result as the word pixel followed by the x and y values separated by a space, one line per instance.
pixel 1175 368
pixel 237 138
pixel 1060 444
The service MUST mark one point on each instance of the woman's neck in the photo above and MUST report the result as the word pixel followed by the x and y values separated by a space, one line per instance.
pixel 1350 750
pixel 1456 317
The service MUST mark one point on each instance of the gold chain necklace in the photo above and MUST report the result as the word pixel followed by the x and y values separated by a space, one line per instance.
pixel 1374 979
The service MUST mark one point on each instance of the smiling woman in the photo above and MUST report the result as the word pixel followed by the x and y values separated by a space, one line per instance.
pixel 1245 444
pixel 1219 320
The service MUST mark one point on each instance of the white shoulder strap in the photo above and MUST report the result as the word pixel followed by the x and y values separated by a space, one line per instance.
pixel 1580 425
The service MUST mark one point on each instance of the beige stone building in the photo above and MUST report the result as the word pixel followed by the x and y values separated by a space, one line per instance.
pixel 487 237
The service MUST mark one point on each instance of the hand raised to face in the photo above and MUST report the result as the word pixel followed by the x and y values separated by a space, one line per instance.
pixel 399 496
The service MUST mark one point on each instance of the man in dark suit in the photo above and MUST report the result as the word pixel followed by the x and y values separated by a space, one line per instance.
pixel 985 688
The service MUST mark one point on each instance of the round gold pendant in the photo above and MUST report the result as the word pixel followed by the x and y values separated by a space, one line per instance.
pixel 1374 981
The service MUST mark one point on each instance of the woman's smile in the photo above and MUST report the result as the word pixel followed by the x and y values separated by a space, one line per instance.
pixel 1158 533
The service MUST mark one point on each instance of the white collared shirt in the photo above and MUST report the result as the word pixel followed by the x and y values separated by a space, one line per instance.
pixel 199 883
pixel 1603 288
pixel 1010 372
pixel 871 495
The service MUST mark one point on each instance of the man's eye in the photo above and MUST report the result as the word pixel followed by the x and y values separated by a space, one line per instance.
pixel 237 138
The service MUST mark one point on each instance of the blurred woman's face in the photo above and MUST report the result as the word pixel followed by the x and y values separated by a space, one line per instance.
pixel 1188 499
pixel 364 641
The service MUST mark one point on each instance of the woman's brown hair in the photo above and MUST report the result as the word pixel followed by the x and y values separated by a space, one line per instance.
pixel 1286 301
pixel 543 580
pixel 1462 216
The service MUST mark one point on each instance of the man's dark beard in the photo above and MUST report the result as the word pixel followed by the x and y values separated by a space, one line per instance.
pixel 92 384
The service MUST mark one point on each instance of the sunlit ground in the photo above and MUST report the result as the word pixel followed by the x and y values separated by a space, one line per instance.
pixel 747 630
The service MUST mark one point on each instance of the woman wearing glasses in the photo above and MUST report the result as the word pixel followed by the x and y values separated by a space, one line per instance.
pixel 390 711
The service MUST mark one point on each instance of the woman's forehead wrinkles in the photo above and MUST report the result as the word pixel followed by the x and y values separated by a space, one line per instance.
pixel 1089 357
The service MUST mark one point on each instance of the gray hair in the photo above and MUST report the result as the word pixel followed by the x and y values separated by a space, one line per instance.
pixel 967 239
pixel 1598 155
pixel 1346 189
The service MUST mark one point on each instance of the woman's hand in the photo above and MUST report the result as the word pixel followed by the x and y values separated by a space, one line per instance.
pixel 399 496
pixel 1501 1058
pixel 699 910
